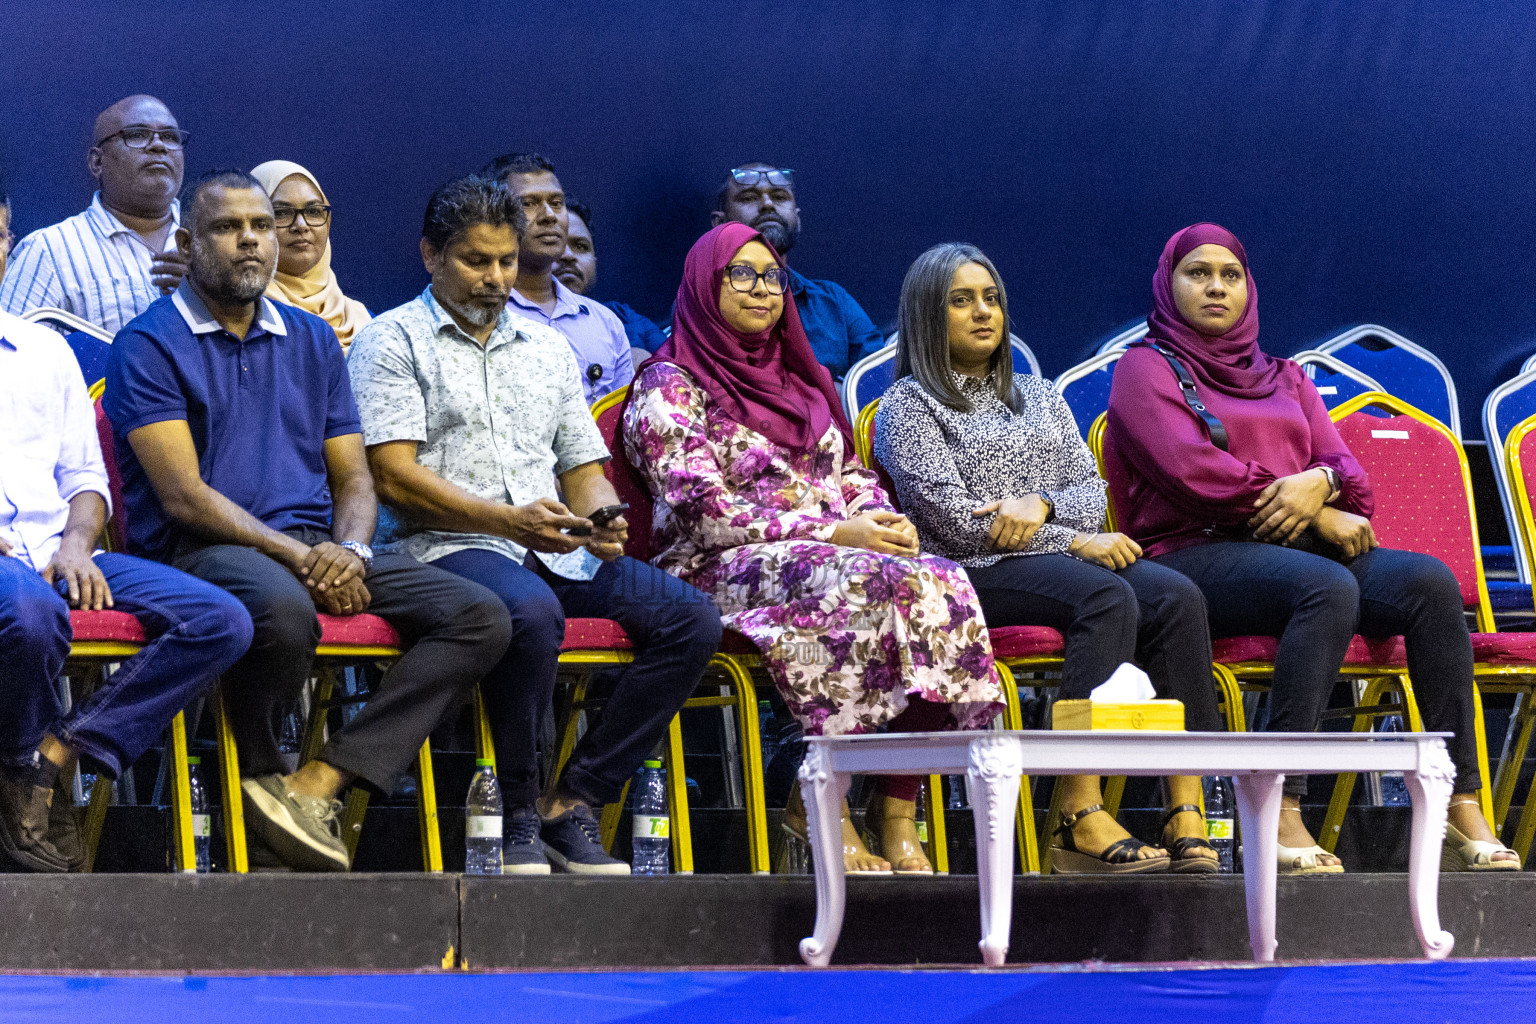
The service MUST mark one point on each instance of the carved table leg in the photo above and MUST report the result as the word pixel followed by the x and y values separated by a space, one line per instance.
pixel 1258 813
pixel 996 762
pixel 823 792
pixel 1430 789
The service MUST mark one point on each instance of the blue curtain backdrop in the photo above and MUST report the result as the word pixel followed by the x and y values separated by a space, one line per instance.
pixel 1376 156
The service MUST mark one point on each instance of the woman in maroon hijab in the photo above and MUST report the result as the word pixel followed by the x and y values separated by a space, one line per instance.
pixel 1235 517
pixel 761 503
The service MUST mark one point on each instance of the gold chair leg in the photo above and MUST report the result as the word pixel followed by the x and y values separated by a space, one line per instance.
pixel 314 725
pixel 938 833
pixel 677 799
pixel 1231 698
pixel 426 811
pixel 1485 794
pixel 1513 759
pixel 752 767
pixel 183 853
pixel 572 718
pixel 1344 782
pixel 234 799
pixel 95 818
pixel 1114 792
pixel 485 745
pixel 1024 825
pixel 352 820
pixel 612 814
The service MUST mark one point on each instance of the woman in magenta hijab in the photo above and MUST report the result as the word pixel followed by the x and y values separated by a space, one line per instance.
pixel 1274 525
pixel 761 503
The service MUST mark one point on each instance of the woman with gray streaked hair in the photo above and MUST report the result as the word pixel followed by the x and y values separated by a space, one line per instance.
pixel 991 469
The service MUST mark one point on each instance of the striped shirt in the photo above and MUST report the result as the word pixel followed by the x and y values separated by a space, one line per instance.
pixel 90 265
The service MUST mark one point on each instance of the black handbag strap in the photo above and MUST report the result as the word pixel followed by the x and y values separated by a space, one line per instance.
pixel 1192 399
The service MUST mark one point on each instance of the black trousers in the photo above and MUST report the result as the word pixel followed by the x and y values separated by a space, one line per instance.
pixel 1143 613
pixel 1315 605
pixel 675 630
pixel 455 631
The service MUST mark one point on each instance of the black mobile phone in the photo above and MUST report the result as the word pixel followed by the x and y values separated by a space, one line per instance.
pixel 602 517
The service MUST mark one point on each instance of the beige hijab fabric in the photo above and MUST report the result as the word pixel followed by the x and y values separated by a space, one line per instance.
pixel 317 291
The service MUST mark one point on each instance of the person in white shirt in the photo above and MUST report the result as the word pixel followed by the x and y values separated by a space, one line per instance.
pixel 107 264
pixel 54 501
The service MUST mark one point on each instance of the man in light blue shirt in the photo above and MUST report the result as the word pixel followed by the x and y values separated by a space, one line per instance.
pixel 595 332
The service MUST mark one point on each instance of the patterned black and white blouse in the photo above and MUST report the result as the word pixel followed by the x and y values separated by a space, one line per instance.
pixel 946 463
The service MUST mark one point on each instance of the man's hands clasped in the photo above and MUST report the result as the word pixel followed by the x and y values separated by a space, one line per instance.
pixel 333 575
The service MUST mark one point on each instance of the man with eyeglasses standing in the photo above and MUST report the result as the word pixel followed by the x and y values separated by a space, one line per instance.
pixel 595 332
pixel 107 264
pixel 762 196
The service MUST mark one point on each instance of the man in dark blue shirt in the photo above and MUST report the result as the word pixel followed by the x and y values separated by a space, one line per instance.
pixel 763 196
pixel 243 464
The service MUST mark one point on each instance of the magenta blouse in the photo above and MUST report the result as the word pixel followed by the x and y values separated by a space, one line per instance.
pixel 1172 488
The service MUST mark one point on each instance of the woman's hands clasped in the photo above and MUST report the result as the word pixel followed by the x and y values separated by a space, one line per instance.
pixel 885 533
pixel 1111 550
pixel 1015 521
pixel 1289 505
pixel 1353 535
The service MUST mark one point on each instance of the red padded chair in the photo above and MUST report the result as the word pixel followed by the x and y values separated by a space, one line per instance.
pixel 344 640
pixel 603 641
pixel 1520 472
pixel 1423 490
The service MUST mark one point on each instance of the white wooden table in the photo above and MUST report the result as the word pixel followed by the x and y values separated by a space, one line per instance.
pixel 993 762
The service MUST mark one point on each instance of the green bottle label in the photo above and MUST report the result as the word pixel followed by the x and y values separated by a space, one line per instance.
pixel 202 827
pixel 1218 828
pixel 922 831
pixel 649 826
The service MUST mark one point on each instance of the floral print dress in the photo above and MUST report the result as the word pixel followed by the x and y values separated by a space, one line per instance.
pixel 847 635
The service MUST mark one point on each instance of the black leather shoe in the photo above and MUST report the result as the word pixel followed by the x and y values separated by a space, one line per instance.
pixel 64 823
pixel 24 826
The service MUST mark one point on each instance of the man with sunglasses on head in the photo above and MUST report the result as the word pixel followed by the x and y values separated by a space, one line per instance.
pixel 762 196
pixel 108 264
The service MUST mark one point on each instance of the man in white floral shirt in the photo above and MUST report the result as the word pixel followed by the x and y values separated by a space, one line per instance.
pixel 471 414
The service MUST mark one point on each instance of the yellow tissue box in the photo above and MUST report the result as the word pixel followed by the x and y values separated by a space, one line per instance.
pixel 1150 715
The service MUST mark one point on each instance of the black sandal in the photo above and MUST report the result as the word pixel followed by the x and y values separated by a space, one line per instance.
pixel 1184 863
pixel 1119 858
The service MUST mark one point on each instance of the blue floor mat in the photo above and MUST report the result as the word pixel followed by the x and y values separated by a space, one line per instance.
pixel 1397 993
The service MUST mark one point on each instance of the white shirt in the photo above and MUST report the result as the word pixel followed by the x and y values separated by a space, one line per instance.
pixel 91 265
pixel 51 451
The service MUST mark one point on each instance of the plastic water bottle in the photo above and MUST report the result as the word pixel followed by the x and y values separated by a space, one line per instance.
pixel 482 822
pixel 652 840
pixel 920 813
pixel 202 821
pixel 1220 821
pixel 1394 791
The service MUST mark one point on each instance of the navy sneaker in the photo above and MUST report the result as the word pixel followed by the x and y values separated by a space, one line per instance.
pixel 522 851
pixel 574 843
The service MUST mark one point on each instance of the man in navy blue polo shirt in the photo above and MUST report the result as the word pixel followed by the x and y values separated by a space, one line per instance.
pixel 243 464
pixel 762 196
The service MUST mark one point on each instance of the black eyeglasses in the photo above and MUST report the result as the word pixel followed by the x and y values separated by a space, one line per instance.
pixel 140 138
pixel 744 279
pixel 314 216
pixel 781 176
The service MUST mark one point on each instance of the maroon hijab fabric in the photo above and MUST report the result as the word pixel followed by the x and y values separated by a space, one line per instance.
pixel 769 382
pixel 1230 363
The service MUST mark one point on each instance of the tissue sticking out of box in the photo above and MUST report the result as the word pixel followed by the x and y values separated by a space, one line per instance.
pixel 1126 685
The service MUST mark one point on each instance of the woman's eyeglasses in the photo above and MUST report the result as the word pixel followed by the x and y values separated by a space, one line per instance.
pixel 744 279
pixel 314 216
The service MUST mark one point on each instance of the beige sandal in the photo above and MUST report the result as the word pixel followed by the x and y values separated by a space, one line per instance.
pixel 1462 854
pixel 796 829
pixel 908 859
pixel 1302 860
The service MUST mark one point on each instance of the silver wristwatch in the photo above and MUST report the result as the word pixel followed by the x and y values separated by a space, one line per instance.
pixel 361 550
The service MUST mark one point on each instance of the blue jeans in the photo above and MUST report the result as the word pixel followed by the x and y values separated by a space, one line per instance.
pixel 195 632
pixel 1315 605
pixel 675 630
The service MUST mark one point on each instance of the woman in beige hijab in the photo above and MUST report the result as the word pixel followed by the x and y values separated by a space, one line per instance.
pixel 304 278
